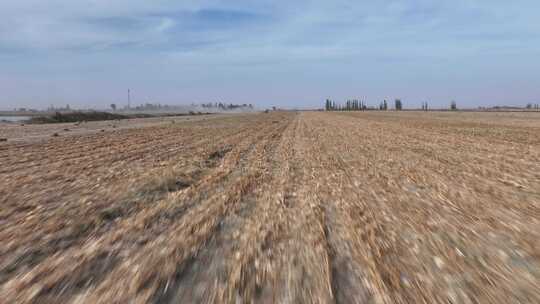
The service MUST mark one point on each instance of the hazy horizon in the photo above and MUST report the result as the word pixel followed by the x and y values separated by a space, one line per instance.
pixel 88 53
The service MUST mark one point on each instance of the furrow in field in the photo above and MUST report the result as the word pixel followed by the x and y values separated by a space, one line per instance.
pixel 176 164
pixel 413 151
pixel 420 220
pixel 69 225
pixel 213 273
pixel 284 207
pixel 145 221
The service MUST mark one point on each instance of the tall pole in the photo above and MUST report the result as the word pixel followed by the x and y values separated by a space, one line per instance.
pixel 129 99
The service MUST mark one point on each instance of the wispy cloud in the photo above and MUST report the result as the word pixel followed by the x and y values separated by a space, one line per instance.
pixel 390 47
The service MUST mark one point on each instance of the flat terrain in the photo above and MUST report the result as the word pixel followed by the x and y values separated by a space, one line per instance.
pixel 25 132
pixel 285 207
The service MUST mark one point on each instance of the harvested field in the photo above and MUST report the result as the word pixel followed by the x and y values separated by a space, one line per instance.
pixel 284 207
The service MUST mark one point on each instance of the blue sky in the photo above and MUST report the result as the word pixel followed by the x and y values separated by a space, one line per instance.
pixel 284 53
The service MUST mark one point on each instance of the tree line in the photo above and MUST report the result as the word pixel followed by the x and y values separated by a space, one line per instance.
pixel 350 105
pixel 360 105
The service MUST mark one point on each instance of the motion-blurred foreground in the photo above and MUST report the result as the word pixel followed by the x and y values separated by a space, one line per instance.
pixel 282 207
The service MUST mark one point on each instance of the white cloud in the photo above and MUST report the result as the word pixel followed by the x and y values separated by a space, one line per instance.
pixel 346 42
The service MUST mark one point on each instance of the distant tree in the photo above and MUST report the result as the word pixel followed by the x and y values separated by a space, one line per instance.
pixel 329 105
pixel 385 105
pixel 529 106
pixel 453 105
pixel 399 105
pixel 113 106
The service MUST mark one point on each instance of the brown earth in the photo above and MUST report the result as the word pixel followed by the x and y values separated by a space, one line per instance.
pixel 286 207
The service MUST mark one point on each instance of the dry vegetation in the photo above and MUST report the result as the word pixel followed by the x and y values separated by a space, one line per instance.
pixel 284 207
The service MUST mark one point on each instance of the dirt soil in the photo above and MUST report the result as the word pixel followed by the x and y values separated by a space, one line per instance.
pixel 285 207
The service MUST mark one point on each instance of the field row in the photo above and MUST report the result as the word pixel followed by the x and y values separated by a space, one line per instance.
pixel 285 207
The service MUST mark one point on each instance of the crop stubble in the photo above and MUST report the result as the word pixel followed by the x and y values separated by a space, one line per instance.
pixel 283 207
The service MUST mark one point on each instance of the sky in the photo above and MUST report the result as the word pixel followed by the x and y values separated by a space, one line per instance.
pixel 291 54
